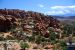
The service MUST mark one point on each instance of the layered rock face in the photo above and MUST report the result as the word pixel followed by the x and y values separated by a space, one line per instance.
pixel 27 20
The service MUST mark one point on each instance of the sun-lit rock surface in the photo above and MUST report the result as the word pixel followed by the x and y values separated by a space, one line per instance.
pixel 29 19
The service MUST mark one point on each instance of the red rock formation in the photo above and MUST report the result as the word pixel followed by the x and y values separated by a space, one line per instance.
pixel 15 16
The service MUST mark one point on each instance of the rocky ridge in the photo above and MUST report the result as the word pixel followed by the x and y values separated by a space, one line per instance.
pixel 29 21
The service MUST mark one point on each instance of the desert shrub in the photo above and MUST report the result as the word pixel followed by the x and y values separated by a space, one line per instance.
pixel 63 45
pixel 24 45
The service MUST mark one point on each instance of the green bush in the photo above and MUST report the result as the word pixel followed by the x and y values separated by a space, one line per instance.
pixel 63 45
pixel 24 45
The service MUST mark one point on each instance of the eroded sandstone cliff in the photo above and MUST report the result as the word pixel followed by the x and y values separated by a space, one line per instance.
pixel 29 21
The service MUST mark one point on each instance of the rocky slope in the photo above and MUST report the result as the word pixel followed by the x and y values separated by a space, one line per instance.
pixel 29 21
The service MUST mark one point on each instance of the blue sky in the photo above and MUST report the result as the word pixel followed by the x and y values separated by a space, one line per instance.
pixel 50 7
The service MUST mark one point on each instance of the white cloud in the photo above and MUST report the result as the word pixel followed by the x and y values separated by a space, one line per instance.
pixel 62 7
pixel 54 12
pixel 40 5
pixel 73 6
pixel 57 10
pixel 57 7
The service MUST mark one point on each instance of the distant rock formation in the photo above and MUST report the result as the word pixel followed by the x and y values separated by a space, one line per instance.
pixel 28 20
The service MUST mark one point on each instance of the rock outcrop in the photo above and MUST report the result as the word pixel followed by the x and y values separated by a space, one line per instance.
pixel 28 20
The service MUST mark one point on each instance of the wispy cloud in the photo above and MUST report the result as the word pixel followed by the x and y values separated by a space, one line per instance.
pixel 62 7
pixel 40 5
pixel 56 10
